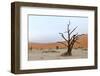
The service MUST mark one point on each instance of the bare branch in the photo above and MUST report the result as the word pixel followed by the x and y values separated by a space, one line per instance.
pixel 62 43
pixel 73 39
pixel 73 30
pixel 68 27
pixel 63 36
pixel 77 36
pixel 77 42
pixel 68 23
pixel 68 32
pixel 73 36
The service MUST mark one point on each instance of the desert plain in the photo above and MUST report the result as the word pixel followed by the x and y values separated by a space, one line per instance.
pixel 52 51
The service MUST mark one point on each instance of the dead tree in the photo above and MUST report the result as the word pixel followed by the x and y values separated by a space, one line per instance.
pixel 69 40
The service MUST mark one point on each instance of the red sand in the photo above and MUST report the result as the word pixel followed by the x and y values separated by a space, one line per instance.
pixel 83 43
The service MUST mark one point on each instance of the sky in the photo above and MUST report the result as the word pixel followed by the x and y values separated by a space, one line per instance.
pixel 46 29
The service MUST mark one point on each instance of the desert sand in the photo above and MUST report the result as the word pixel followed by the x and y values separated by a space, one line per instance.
pixel 52 54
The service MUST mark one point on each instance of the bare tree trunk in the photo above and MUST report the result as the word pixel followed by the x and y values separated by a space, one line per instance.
pixel 68 53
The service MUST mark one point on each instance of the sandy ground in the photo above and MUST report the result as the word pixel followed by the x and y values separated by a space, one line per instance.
pixel 51 54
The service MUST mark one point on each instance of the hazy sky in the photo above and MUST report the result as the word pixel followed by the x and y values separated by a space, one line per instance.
pixel 45 29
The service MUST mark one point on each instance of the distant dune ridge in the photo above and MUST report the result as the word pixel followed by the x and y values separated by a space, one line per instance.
pixel 83 43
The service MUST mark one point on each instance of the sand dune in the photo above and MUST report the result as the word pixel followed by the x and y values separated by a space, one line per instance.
pixel 83 43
